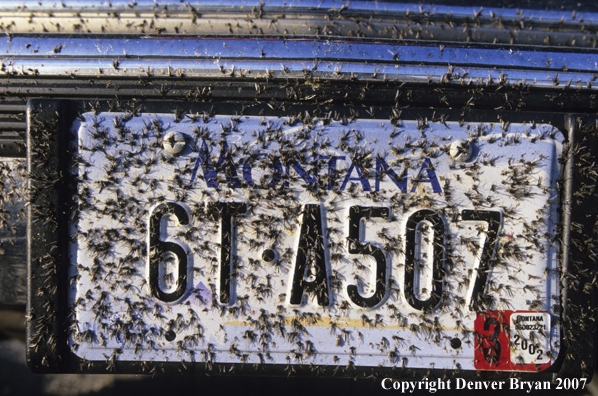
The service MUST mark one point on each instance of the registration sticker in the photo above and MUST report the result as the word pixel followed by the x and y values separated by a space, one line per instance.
pixel 530 337
pixel 512 340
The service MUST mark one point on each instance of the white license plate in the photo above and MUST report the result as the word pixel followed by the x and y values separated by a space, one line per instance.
pixel 287 240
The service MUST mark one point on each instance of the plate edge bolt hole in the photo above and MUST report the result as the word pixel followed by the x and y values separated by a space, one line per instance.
pixel 455 343
pixel 171 335
pixel 269 255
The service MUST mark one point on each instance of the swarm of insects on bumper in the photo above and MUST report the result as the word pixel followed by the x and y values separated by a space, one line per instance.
pixel 13 173
pixel 271 202
pixel 45 184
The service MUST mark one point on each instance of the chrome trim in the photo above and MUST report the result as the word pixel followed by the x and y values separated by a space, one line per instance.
pixel 313 18
pixel 233 58
pixel 310 6
pixel 277 50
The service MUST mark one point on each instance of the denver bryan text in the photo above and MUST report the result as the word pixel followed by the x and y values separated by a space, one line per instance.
pixel 433 385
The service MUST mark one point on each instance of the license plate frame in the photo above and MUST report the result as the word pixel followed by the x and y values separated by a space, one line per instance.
pixel 49 121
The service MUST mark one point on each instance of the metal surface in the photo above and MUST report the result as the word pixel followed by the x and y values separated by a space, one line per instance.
pixel 263 60
pixel 329 20
pixel 568 17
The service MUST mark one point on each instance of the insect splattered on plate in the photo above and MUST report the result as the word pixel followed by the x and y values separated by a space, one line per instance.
pixel 273 241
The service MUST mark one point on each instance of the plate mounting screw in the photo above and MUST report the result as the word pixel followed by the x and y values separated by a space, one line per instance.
pixel 174 142
pixel 461 150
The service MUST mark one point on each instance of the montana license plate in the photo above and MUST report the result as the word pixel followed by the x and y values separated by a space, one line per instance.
pixel 277 241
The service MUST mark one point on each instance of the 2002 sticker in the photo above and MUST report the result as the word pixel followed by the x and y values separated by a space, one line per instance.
pixel 512 340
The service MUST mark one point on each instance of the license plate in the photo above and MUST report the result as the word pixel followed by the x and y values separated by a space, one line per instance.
pixel 292 243
pixel 297 240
